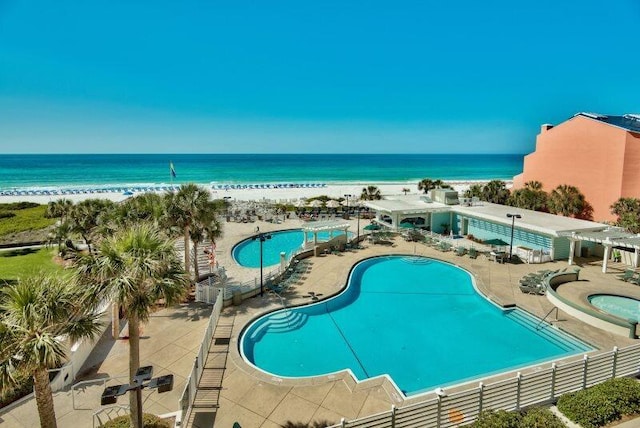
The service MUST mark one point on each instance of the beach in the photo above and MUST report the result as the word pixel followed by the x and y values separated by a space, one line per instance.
pixel 274 195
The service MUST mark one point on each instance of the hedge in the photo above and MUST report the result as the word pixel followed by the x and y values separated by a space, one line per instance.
pixel 602 404
pixel 148 421
pixel 536 417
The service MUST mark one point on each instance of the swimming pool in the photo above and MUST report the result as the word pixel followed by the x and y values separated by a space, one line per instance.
pixel 419 320
pixel 247 253
pixel 624 307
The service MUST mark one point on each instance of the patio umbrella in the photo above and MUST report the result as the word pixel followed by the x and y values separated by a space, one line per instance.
pixel 497 242
pixel 372 226
pixel 333 204
pixel 315 203
pixel 300 204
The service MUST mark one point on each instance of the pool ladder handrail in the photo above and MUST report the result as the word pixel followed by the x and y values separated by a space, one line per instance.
pixel 555 308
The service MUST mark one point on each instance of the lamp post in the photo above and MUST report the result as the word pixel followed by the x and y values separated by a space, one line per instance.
pixel 347 196
pixel 261 237
pixel 513 218
pixel 226 206
pixel 143 374
pixel 358 228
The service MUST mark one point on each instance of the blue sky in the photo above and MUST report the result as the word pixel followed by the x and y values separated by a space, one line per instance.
pixel 308 77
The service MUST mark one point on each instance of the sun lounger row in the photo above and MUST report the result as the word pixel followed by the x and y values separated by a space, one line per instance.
pixel 631 276
pixel 268 186
pixel 83 191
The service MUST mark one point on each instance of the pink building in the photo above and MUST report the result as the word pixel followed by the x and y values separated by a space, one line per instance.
pixel 598 154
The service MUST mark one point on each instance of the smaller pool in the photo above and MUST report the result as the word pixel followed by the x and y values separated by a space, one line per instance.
pixel 247 253
pixel 624 307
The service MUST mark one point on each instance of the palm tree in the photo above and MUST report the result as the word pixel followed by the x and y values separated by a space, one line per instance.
pixel 567 201
pixel 370 193
pixel 533 185
pixel 183 207
pixel 134 268
pixel 405 190
pixel 88 216
pixel 39 317
pixel 427 184
pixel 59 209
pixel 495 192
pixel 530 197
pixel 474 191
pixel 628 212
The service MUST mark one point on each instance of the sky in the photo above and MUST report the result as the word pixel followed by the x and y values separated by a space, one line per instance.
pixel 327 76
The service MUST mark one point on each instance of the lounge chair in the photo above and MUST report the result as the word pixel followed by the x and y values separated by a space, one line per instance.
pixel 627 275
pixel 473 253
pixel 461 251
pixel 538 289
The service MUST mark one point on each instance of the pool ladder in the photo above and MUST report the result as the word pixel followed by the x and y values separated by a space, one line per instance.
pixel 555 308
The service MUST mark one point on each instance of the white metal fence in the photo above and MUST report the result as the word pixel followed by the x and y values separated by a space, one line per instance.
pixel 523 390
pixel 189 393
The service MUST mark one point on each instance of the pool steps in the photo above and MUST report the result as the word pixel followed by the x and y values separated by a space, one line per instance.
pixel 545 330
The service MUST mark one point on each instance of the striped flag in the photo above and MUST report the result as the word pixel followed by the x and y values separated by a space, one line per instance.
pixel 172 170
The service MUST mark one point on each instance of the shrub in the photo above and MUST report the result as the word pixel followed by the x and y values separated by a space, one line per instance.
pixel 603 403
pixel 22 388
pixel 148 421
pixel 18 206
pixel 25 219
pixel 540 417
pixel 7 214
pixel 499 418
pixel 313 424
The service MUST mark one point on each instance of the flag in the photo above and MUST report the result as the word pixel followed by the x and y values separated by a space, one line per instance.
pixel 172 170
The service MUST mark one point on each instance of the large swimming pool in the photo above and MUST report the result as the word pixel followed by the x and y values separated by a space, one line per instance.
pixel 247 253
pixel 419 320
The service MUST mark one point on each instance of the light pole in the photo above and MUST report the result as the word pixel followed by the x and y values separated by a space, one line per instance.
pixel 347 196
pixel 143 374
pixel 261 237
pixel 226 206
pixel 513 218
pixel 358 229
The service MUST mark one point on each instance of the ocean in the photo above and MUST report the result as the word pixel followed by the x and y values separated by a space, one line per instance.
pixel 87 170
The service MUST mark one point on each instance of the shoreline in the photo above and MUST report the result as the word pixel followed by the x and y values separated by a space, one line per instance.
pixel 275 195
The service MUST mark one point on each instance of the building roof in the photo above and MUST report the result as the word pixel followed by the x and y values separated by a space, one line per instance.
pixel 629 122
pixel 320 226
pixel 614 236
pixel 535 221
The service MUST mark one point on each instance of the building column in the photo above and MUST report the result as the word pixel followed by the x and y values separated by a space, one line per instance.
pixel 572 250
pixel 636 258
pixel 607 254
pixel 315 238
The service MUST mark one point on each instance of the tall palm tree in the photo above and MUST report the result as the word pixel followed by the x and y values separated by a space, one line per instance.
pixel 59 209
pixel 567 201
pixel 183 208
pixel 474 191
pixel 495 192
pixel 134 268
pixel 370 193
pixel 87 217
pixel 39 317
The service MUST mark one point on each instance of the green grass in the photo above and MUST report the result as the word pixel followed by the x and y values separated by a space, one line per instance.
pixel 25 219
pixel 29 261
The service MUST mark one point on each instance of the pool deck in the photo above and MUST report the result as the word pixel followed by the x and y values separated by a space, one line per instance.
pixel 255 399
pixel 172 338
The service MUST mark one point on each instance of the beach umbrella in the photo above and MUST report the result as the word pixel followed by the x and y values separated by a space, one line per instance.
pixel 316 203
pixel 333 204
pixel 497 242
pixel 372 226
pixel 300 204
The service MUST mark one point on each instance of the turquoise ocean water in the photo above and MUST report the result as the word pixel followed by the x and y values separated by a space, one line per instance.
pixel 28 171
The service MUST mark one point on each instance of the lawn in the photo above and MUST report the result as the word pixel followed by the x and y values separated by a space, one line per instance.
pixel 27 261
pixel 31 218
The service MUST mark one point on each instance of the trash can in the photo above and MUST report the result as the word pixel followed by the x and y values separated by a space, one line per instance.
pixel 236 298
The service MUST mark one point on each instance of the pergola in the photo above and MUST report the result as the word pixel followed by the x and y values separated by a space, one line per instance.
pixel 609 238
pixel 323 226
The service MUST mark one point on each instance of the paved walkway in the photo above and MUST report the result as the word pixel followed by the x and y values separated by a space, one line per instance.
pixel 170 342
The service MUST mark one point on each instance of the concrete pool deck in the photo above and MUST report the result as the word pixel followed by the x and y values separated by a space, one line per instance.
pixel 255 399
pixel 252 399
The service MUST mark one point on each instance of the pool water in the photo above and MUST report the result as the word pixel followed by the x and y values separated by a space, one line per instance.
pixel 418 320
pixel 247 252
pixel 623 307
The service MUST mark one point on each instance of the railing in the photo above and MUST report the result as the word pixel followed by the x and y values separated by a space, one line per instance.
pixel 555 308
pixel 189 393
pixel 523 390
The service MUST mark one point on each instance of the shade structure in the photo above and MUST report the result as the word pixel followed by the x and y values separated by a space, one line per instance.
pixel 332 204
pixel 372 226
pixel 301 203
pixel 496 242
pixel 316 203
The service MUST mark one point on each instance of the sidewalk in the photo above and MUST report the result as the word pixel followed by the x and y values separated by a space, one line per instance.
pixel 170 342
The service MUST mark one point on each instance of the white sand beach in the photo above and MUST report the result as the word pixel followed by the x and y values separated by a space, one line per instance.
pixel 288 194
